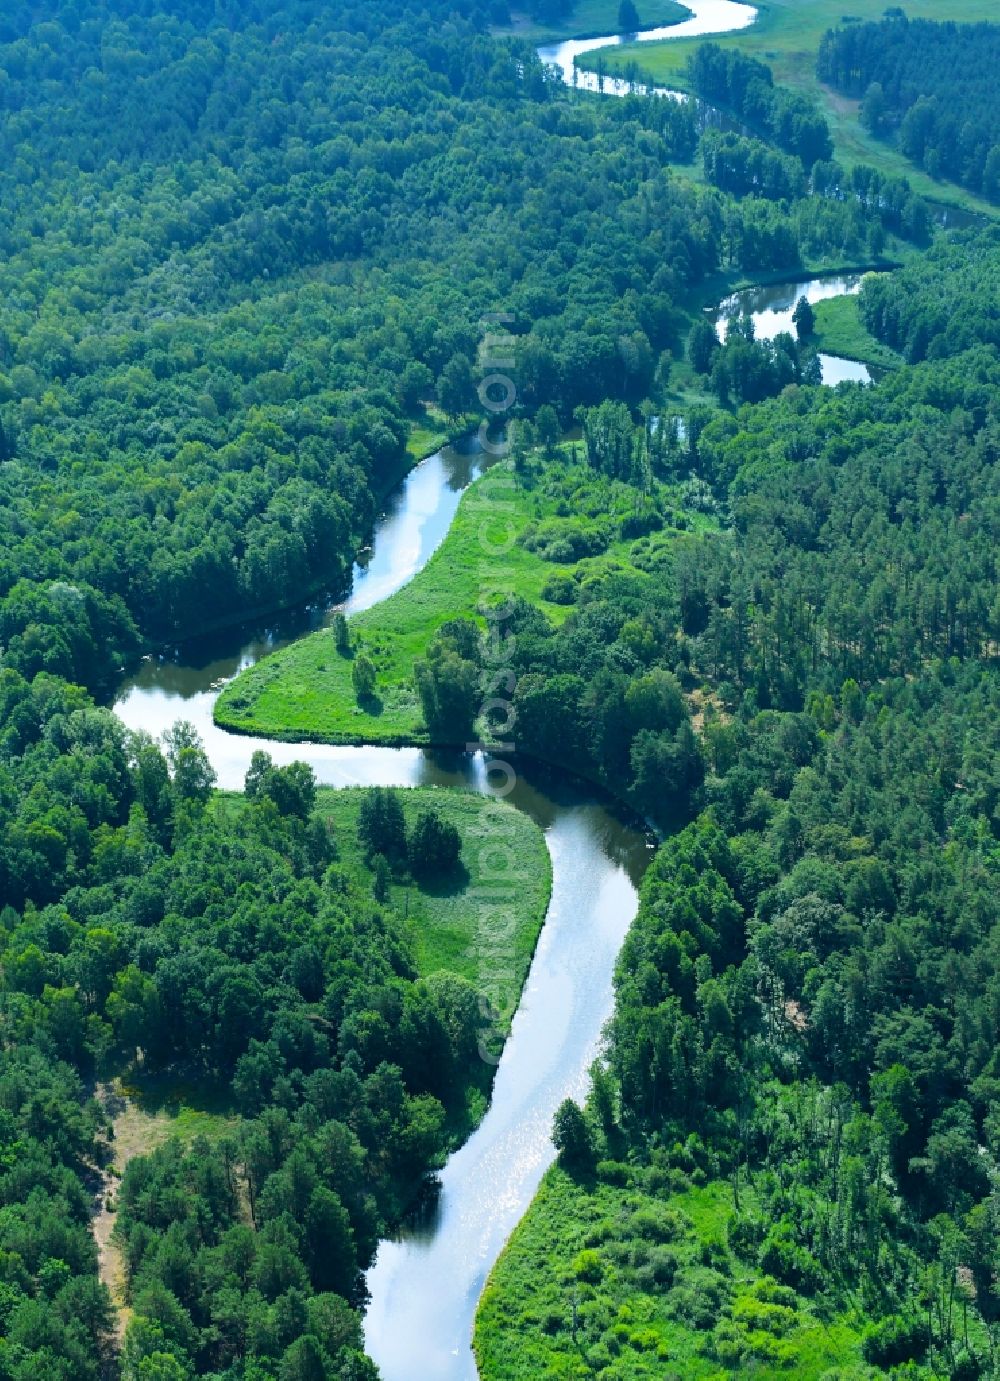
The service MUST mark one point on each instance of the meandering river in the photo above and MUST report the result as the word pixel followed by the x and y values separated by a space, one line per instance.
pixel 706 17
pixel 424 1286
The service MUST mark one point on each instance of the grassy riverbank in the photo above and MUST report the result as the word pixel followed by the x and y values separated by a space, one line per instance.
pixel 840 331
pixel 786 35
pixel 594 19
pixel 453 922
pixel 617 1275
pixel 306 689
pixel 459 923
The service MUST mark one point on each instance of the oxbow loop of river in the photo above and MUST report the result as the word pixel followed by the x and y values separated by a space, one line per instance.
pixel 706 17
pixel 424 1286
pixel 771 308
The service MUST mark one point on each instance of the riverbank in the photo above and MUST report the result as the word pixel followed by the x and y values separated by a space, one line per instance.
pixel 657 1290
pixel 306 690
pixel 839 330
pixel 451 920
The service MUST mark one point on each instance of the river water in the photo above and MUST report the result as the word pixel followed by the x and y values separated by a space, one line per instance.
pixel 424 1285
pixel 771 308
pixel 707 17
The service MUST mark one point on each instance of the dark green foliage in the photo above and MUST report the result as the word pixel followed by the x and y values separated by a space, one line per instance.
pixel 745 370
pixel 702 343
pixel 747 167
pixel 943 303
pixel 381 825
pixel 363 677
pixel 341 634
pixel 433 847
pixel 628 17
pixel 447 681
pixel 804 1021
pixel 224 942
pixel 804 318
pixel 932 84
pixel 573 1137
pixel 745 86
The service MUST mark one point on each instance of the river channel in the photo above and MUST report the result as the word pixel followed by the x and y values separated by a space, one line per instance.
pixel 424 1285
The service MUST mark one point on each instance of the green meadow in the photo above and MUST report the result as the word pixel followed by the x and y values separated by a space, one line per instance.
pixel 839 330
pixel 456 924
pixel 305 690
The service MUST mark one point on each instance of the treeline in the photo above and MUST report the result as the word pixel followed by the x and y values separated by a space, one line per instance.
pixel 804 1024
pixel 747 370
pixel 941 303
pixel 151 928
pixel 866 535
pixel 929 85
pixel 196 418
pixel 744 86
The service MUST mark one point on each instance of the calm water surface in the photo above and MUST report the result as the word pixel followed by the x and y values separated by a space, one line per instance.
pixel 707 17
pixel 772 306
pixel 424 1285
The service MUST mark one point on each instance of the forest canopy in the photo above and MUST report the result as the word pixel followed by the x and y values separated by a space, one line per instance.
pixel 929 86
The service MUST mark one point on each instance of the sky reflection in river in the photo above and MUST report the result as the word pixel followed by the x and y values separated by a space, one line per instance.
pixel 424 1286
pixel 707 17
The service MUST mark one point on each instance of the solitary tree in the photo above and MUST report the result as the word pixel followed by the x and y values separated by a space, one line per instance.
pixel 341 633
pixel 804 318
pixel 434 845
pixel 628 17
pixel 363 678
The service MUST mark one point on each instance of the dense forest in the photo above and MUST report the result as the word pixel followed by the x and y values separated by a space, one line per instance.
pixel 224 310
pixel 245 252
pixel 149 927
pixel 930 86
pixel 802 1056
pixel 942 303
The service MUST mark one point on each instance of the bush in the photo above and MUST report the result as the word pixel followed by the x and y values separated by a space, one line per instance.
pixel 560 589
pixel 898 1338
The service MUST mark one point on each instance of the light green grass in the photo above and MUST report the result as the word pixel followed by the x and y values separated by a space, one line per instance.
pixel 594 19
pixel 428 433
pixel 457 924
pixel 840 331
pixel 786 35
pixel 524 1325
pixel 305 690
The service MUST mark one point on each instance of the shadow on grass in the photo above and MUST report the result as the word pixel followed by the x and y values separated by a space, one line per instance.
pixel 174 1094
pixel 448 884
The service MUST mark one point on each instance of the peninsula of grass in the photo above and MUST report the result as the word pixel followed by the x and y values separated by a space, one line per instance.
pixel 839 330
pixel 594 19
pixel 588 1285
pixel 786 35
pixel 305 691
pixel 462 923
